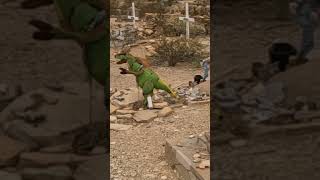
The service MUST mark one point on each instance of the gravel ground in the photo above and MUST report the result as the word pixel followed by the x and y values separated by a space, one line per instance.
pixel 139 152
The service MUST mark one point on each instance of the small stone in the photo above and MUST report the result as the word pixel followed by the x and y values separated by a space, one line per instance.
pixel 112 143
pixel 261 116
pixel 197 160
pixel 179 145
pixel 165 112
pixel 125 111
pixel 113 119
pixel 238 143
pixel 160 105
pixel 125 98
pixel 156 99
pixel 195 156
pixel 113 108
pixel 145 116
pixel 120 127
pixel 149 31
pixel 204 164
pixel 164 177
pixel 191 136
pixel 160 120
pixel 125 116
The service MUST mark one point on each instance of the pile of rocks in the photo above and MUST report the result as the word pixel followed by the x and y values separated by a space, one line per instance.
pixel 199 92
pixel 39 130
pixel 261 102
pixel 126 108
pixel 146 30
pixel 126 105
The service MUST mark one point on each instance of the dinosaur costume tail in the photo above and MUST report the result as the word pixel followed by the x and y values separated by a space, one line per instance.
pixel 162 85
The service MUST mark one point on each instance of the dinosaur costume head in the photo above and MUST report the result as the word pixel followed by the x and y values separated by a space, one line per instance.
pixel 123 55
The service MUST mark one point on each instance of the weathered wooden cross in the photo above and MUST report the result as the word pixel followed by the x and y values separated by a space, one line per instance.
pixel 187 19
pixel 133 15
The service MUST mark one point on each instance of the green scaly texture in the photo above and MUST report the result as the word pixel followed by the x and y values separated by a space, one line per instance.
pixel 79 15
pixel 146 78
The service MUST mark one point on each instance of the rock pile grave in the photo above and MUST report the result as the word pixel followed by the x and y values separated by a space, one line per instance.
pixel 126 105
pixel 260 106
pixel 44 134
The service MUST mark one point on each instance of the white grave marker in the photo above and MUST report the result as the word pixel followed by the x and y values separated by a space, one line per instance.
pixel 133 15
pixel 187 19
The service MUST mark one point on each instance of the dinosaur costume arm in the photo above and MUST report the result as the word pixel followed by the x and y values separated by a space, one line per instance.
pixel 51 32
pixel 83 37
pixel 136 73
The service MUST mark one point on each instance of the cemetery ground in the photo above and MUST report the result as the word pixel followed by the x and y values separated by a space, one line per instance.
pixel 153 144
pixel 291 150
pixel 139 152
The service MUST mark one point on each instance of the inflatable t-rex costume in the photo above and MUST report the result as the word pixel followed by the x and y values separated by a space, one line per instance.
pixel 85 22
pixel 146 78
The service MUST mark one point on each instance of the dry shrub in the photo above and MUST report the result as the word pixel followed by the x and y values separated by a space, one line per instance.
pixel 177 50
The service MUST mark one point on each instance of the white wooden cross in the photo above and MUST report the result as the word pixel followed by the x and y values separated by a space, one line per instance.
pixel 187 19
pixel 133 15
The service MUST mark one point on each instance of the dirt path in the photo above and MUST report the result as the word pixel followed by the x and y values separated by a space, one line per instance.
pixel 139 152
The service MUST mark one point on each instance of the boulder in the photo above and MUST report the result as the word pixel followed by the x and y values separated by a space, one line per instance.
pixel 145 116
pixel 165 112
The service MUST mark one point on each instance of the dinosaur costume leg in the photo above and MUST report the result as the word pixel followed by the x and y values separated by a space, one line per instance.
pixel 163 86
pixel 147 91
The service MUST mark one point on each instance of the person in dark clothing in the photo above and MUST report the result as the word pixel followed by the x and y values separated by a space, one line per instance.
pixel 306 13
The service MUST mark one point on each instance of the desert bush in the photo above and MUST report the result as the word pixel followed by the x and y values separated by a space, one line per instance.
pixel 179 49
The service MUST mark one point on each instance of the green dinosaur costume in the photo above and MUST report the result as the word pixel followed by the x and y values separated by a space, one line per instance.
pixel 84 22
pixel 146 78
